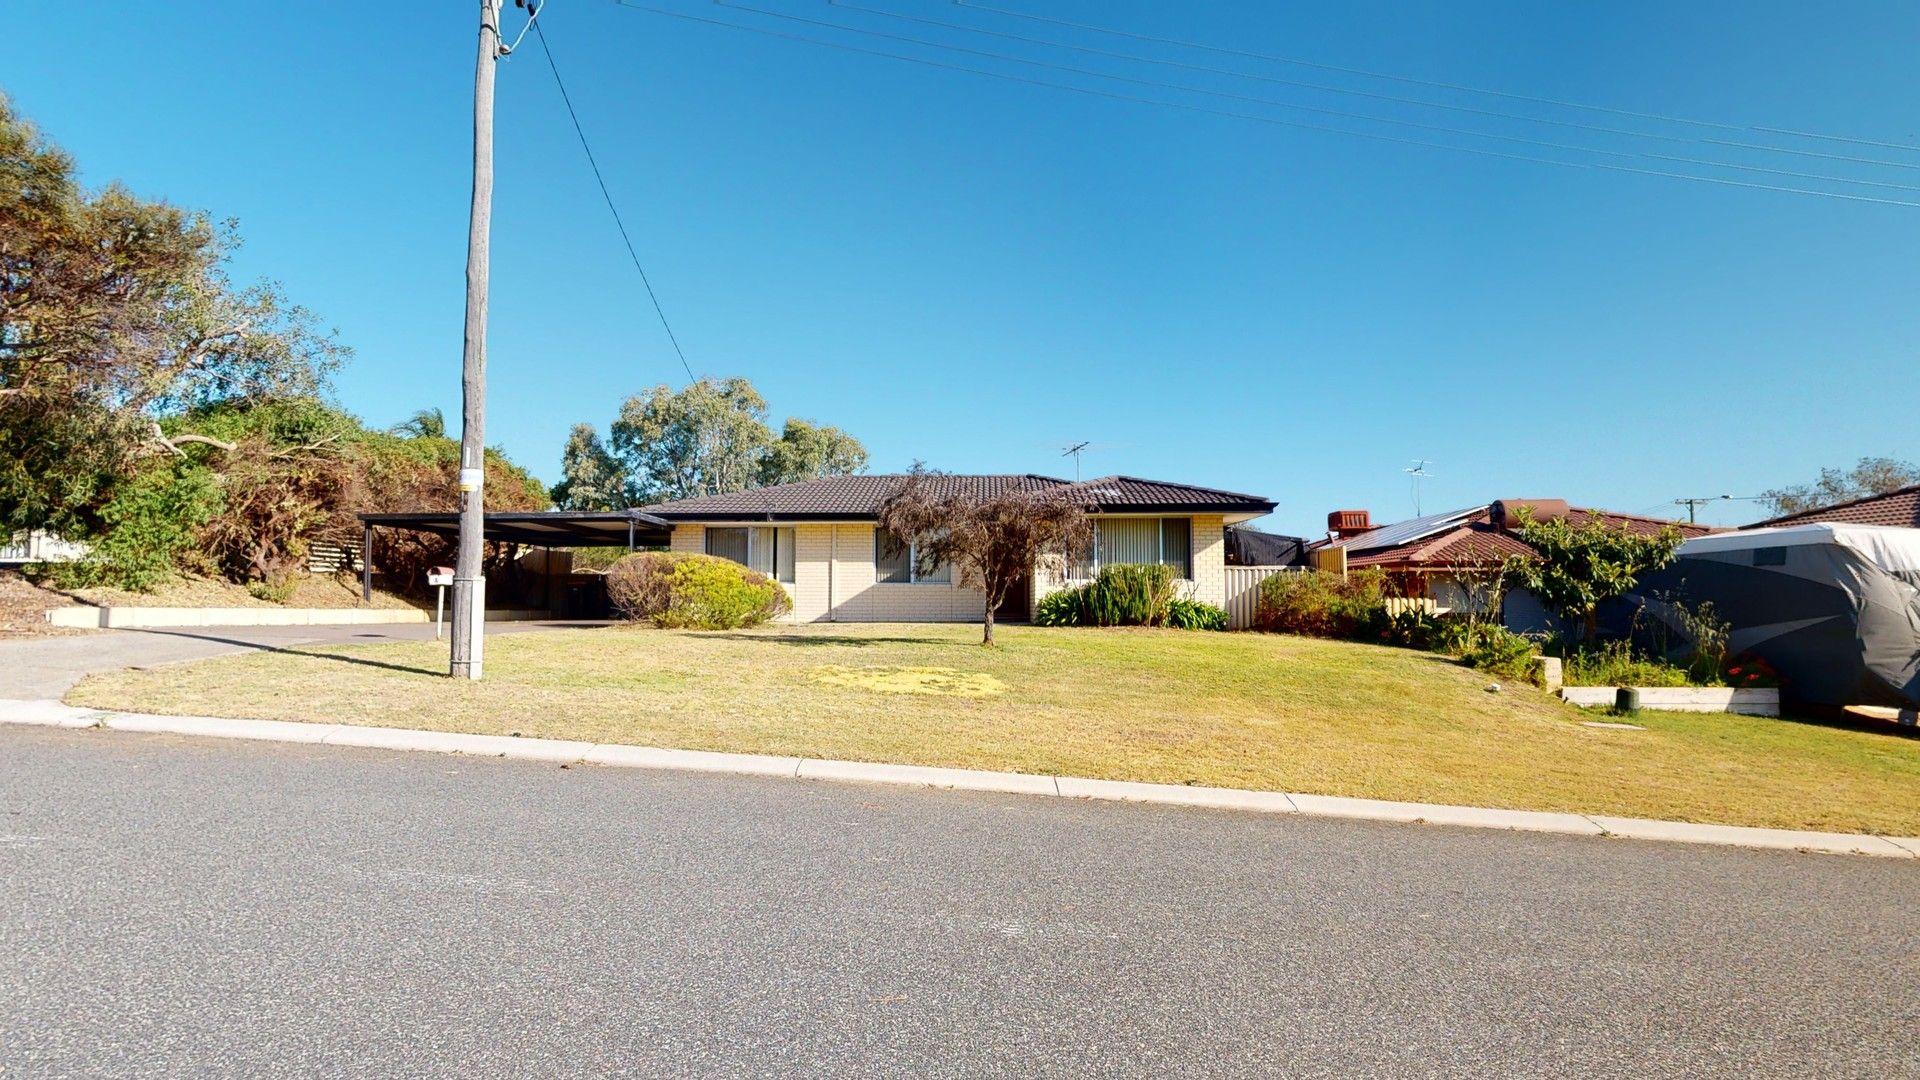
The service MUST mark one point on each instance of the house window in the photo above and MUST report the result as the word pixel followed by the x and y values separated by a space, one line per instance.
pixel 768 550
pixel 897 563
pixel 1770 556
pixel 1168 541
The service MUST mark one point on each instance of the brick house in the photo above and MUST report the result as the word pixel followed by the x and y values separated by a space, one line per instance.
pixel 820 539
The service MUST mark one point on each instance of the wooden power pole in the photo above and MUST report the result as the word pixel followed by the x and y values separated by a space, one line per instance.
pixel 469 586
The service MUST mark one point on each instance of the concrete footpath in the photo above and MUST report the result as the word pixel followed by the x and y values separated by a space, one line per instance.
pixel 55 714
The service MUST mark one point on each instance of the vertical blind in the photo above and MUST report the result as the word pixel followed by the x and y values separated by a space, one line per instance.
pixel 768 550
pixel 1140 540
pixel 893 562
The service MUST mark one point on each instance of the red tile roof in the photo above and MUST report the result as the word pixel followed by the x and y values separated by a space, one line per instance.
pixel 1901 508
pixel 1479 542
pixel 856 497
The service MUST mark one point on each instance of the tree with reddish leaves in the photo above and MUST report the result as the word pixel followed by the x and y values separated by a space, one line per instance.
pixel 992 541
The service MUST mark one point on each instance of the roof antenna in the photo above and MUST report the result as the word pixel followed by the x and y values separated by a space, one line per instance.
pixel 1074 451
pixel 1418 472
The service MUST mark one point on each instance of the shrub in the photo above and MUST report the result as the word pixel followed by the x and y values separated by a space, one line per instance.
pixel 1125 594
pixel 1323 605
pixel 150 526
pixel 1194 615
pixel 1064 608
pixel 274 592
pixel 1615 663
pixel 1501 653
pixel 694 592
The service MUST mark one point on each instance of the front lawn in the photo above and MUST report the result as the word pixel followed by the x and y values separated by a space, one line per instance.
pixel 1232 710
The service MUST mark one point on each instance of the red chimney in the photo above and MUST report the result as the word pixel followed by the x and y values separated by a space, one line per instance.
pixel 1344 523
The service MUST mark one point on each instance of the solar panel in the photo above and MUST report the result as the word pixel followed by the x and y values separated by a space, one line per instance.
pixel 1406 532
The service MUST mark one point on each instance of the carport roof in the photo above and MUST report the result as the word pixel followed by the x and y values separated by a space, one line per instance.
pixel 550 528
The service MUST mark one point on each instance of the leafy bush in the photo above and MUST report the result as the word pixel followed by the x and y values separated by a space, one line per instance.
pixel 1127 594
pixel 1501 653
pixel 1194 615
pixel 1063 608
pixel 694 592
pixel 1323 605
pixel 150 524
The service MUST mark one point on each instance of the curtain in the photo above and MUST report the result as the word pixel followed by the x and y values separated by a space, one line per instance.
pixel 1176 545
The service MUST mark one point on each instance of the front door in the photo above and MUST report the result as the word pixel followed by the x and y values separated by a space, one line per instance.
pixel 1017 607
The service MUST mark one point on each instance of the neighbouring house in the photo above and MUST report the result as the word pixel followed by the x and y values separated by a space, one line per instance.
pixel 1900 508
pixel 821 539
pixel 1451 558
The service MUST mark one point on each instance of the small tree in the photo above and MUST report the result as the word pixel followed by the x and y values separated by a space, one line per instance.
pixel 990 541
pixel 1579 567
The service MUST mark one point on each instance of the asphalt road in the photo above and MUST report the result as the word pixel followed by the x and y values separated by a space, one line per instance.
pixel 171 906
pixel 37 668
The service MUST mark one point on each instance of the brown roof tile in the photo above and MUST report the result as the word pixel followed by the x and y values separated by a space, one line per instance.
pixel 1478 542
pixel 857 497
pixel 1900 508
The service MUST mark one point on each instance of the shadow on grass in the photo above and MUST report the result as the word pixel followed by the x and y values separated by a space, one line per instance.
pixel 832 639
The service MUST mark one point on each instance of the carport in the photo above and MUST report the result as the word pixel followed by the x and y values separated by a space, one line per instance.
pixel 535 528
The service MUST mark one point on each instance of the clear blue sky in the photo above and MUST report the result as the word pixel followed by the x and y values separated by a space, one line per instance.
pixel 976 272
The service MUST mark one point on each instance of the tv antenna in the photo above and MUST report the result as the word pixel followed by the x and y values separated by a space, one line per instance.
pixel 1074 452
pixel 1417 472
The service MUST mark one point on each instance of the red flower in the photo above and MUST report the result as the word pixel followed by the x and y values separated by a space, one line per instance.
pixel 1733 671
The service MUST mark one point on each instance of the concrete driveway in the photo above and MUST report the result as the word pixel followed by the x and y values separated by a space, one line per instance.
pixel 33 669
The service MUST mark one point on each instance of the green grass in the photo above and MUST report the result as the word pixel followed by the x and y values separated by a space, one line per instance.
pixel 1235 710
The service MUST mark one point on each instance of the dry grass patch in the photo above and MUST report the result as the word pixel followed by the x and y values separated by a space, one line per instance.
pixel 1234 710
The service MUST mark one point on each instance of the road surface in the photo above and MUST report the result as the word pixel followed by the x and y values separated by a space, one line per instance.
pixel 173 906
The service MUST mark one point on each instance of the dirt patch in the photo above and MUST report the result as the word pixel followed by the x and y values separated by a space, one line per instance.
pixel 330 591
pixel 24 606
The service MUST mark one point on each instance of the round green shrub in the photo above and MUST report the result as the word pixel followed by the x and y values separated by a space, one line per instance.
pixel 693 592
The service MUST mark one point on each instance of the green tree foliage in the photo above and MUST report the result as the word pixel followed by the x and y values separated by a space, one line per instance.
pixel 809 451
pixel 708 438
pixel 590 478
pixel 423 424
pixel 1869 476
pixel 117 313
pixel 1579 567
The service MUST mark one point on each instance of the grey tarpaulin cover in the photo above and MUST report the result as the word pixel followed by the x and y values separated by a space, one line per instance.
pixel 1835 608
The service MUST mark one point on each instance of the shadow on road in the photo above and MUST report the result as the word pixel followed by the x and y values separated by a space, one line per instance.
pixel 261 646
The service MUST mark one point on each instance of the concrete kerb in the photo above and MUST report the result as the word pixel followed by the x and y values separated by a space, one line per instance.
pixel 56 714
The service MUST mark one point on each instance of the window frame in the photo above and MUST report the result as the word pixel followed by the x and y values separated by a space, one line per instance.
pixel 913 563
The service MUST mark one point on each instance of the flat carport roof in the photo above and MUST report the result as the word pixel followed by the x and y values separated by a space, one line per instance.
pixel 547 528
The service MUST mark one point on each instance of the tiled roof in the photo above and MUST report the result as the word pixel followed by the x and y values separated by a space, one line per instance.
pixel 1478 542
pixel 1901 508
pixel 857 497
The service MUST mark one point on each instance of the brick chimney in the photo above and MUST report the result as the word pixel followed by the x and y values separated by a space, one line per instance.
pixel 1342 524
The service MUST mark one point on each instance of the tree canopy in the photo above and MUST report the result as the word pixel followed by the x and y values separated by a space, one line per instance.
pixel 707 438
pixel 117 313
pixel 1868 476
pixel 1579 567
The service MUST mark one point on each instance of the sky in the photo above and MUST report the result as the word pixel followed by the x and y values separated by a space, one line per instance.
pixel 977 272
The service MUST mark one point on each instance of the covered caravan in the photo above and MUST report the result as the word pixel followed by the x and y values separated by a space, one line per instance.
pixel 1835 608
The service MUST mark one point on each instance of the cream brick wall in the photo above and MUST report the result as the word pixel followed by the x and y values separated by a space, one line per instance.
pixel 833 580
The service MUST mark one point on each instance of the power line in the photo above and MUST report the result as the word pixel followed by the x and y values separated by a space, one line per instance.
pixel 1409 80
pixel 541 34
pixel 1574 148
pixel 1302 125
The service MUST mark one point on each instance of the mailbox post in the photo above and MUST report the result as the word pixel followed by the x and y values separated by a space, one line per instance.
pixel 440 577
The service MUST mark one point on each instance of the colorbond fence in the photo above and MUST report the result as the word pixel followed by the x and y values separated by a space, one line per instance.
pixel 1243 591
